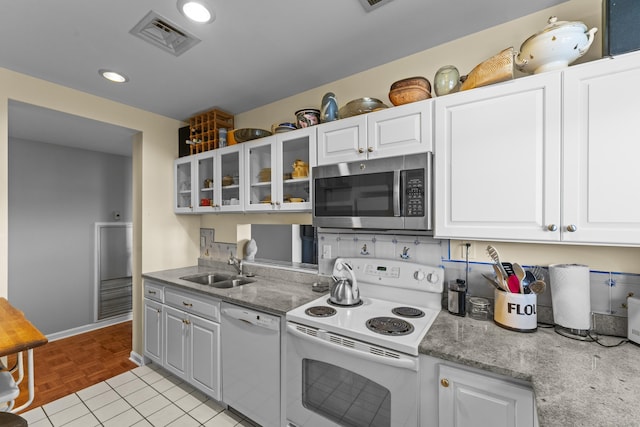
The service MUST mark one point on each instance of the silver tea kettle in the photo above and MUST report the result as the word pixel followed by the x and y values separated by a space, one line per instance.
pixel 344 291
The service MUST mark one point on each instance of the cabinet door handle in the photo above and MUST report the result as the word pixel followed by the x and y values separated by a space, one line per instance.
pixel 552 227
pixel 370 149
pixel 187 304
pixel 360 150
pixel 152 292
pixel 186 321
pixel 444 382
pixel 277 203
pixel 572 228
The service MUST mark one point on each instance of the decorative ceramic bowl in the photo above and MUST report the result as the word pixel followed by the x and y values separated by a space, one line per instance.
pixel 412 81
pixel 307 117
pixel 554 47
pixel 285 127
pixel 248 134
pixel 361 106
pixel 410 90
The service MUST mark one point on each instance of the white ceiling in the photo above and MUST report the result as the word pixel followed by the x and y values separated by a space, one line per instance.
pixel 254 53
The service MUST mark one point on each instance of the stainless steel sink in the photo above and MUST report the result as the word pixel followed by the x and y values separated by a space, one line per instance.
pixel 232 283
pixel 218 280
pixel 207 278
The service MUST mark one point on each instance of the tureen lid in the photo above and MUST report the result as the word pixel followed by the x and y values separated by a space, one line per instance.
pixel 554 24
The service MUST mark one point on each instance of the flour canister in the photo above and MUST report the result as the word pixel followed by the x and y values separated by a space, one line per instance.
pixel 516 312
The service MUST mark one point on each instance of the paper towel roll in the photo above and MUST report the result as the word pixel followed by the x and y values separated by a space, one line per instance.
pixel 570 295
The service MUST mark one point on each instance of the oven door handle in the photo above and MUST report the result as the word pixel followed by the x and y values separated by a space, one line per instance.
pixel 403 363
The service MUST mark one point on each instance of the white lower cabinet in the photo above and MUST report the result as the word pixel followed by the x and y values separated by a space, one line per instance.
pixel 191 342
pixel 153 322
pixel 182 334
pixel 153 330
pixel 456 396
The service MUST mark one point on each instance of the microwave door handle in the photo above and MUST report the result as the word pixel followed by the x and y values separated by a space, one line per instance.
pixel 396 193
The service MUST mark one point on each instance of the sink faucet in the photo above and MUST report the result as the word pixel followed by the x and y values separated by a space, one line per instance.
pixel 236 262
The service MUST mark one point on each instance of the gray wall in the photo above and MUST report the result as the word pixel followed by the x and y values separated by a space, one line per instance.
pixel 56 194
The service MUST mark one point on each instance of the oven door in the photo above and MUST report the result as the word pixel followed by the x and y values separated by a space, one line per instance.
pixel 337 381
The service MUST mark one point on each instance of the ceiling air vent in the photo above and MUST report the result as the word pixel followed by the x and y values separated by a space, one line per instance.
pixel 164 34
pixel 369 5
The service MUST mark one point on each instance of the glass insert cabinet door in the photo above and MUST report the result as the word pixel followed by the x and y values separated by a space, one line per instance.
pixel 184 184
pixel 205 164
pixel 260 169
pixel 279 171
pixel 231 177
pixel 298 154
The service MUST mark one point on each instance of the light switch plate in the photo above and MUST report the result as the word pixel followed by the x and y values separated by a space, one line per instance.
pixel 633 306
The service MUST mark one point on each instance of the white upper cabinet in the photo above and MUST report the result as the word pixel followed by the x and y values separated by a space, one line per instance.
pixel 601 177
pixel 342 140
pixel 497 160
pixel 184 182
pixel 229 179
pixel 396 131
pixel 205 177
pixel 275 177
pixel 548 158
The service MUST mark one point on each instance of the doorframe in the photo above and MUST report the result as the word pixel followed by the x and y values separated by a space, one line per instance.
pixel 96 262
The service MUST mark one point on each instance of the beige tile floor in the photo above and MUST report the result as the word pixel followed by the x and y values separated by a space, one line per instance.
pixel 145 396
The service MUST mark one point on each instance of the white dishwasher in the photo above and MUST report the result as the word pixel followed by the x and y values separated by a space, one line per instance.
pixel 250 342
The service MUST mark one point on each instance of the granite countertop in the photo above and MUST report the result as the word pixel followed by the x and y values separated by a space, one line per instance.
pixel 273 295
pixel 576 383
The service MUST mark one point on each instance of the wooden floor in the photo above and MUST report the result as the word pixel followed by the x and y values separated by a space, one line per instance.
pixel 71 364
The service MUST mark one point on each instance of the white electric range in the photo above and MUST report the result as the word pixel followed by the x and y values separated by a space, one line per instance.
pixel 344 363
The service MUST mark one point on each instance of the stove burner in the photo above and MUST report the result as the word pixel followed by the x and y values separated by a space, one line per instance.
pixel 408 312
pixel 320 311
pixel 389 326
pixel 359 303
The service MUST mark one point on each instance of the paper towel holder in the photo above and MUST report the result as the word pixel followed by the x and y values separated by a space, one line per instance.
pixel 570 297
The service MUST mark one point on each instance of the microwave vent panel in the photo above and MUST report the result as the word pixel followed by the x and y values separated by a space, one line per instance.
pixel 164 34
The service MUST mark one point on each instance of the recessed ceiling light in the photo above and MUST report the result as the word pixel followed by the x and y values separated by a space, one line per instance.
pixel 113 76
pixel 197 11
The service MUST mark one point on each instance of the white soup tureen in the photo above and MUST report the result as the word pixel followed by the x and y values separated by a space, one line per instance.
pixel 554 47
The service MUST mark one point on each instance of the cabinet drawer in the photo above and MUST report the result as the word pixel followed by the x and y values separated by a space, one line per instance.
pixel 154 291
pixel 200 305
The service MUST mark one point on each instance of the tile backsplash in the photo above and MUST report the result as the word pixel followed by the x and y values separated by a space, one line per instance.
pixel 608 290
pixel 421 249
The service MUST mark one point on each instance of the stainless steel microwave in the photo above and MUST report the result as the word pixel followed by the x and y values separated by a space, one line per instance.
pixel 391 194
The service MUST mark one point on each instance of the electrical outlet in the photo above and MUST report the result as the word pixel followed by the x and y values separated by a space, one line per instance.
pixel 326 251
pixel 463 250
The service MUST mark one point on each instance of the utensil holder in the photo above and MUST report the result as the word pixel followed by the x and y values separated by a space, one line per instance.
pixel 516 312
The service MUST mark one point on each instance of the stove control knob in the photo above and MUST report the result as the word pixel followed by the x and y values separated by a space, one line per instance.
pixel 419 275
pixel 433 278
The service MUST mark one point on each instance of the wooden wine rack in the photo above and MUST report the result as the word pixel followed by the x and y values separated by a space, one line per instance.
pixel 203 129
